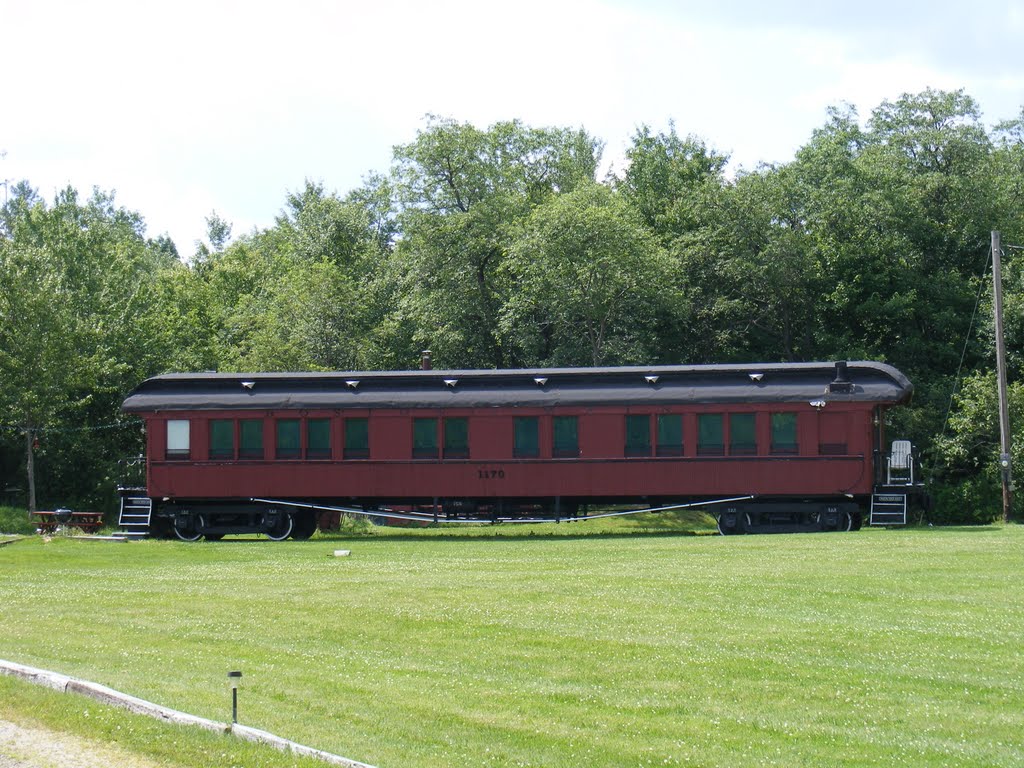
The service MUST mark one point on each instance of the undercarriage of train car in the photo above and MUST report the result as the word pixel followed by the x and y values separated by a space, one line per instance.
pixel 280 519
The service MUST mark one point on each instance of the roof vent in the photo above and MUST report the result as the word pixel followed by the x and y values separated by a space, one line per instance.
pixel 352 383
pixel 248 384
pixel 451 383
pixel 842 382
pixel 540 381
pixel 426 362
pixel 652 380
pixel 755 376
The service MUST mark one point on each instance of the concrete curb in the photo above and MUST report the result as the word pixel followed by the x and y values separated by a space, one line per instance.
pixel 101 693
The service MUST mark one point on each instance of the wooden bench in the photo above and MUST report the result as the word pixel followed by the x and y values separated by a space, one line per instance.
pixel 48 521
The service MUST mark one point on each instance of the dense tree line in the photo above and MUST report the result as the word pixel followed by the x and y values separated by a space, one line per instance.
pixel 501 247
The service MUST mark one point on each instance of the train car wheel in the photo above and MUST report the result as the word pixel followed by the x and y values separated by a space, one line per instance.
pixel 842 522
pixel 189 534
pixel 304 526
pixel 283 529
pixel 733 522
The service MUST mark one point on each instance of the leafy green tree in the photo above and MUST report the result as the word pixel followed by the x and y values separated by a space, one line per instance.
pixel 310 319
pixel 1008 176
pixel 917 240
pixel 218 231
pixel 318 226
pixel 463 194
pixel 967 453
pixel 218 235
pixel 22 197
pixel 671 181
pixel 376 199
pixel 293 297
pixel 1008 179
pixel 768 267
pixel 164 249
pixel 190 319
pixel 589 280
pixel 75 331
pixel 35 346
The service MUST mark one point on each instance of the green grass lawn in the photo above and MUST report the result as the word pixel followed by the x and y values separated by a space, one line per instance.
pixel 535 646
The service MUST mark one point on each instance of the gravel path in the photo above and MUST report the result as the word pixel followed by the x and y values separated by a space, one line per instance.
pixel 34 747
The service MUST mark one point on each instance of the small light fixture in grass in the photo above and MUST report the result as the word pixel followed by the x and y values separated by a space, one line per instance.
pixel 234 678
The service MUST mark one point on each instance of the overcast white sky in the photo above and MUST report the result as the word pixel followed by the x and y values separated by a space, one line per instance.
pixel 188 107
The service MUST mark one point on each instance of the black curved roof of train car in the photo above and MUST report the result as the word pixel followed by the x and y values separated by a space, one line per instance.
pixel 656 385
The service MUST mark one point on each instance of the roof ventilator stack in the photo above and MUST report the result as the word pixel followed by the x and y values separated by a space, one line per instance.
pixel 841 384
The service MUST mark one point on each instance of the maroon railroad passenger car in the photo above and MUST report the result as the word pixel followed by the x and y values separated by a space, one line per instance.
pixel 263 452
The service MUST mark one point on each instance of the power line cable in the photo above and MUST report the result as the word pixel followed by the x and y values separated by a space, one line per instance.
pixel 57 430
pixel 967 338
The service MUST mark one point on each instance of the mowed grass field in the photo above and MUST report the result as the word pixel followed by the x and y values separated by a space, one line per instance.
pixel 537 647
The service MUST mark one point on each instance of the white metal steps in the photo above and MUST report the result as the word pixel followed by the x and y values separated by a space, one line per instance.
pixel 135 514
pixel 888 509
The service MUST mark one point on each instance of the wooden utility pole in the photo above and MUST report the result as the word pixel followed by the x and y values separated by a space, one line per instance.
pixel 1004 411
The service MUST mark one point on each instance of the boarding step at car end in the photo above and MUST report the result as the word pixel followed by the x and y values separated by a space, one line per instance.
pixel 136 510
pixel 888 508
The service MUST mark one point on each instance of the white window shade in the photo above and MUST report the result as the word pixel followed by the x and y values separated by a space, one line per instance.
pixel 177 437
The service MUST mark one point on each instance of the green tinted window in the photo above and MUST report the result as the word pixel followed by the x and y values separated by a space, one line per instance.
pixel 527 442
pixel 222 439
pixel 288 443
pixel 742 434
pixel 251 434
pixel 357 438
pixel 565 436
pixel 424 438
pixel 456 438
pixel 318 439
pixel 638 435
pixel 709 434
pixel 784 433
pixel 670 434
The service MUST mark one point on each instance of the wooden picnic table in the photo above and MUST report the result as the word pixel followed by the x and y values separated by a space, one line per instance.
pixel 47 521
